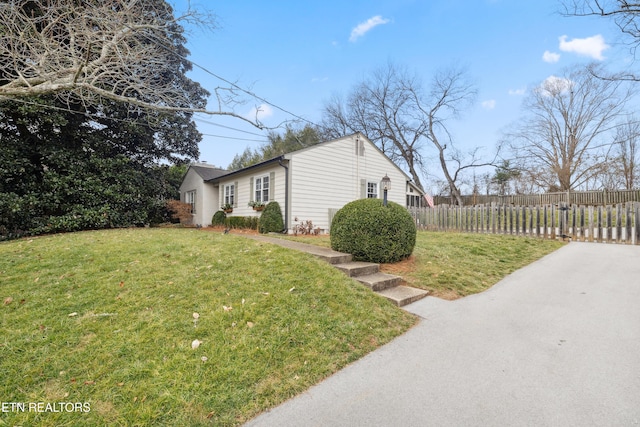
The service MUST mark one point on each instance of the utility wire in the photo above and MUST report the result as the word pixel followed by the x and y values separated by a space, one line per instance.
pixel 238 139
pixel 199 119
pixel 230 83
pixel 98 118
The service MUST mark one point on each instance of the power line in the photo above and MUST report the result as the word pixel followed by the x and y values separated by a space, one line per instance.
pixel 230 83
pixel 199 119
pixel 238 139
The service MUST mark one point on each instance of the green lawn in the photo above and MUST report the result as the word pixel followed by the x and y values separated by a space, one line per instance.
pixel 106 319
pixel 453 265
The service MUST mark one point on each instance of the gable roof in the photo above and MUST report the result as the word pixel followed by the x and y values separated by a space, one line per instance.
pixel 208 172
pixel 287 156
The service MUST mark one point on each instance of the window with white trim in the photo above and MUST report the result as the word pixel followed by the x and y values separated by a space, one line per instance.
pixel 229 194
pixel 261 186
pixel 372 190
pixel 190 198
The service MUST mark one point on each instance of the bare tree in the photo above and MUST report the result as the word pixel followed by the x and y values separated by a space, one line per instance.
pixel 450 92
pixel 626 150
pixel 564 136
pixel 88 50
pixel 381 107
pixel 397 114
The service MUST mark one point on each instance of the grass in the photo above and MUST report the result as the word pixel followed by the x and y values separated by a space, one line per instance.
pixel 454 265
pixel 106 319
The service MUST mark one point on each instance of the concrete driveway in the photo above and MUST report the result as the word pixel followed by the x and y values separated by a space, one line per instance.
pixel 557 343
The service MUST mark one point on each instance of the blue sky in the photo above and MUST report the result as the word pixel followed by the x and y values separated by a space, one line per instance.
pixel 297 54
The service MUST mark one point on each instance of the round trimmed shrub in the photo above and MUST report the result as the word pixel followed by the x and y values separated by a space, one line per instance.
pixel 219 218
pixel 372 232
pixel 271 219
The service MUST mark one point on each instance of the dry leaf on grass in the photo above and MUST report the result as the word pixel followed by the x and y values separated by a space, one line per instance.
pixel 196 316
pixel 8 300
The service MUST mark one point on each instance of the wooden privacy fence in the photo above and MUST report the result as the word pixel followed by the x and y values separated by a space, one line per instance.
pixel 586 198
pixel 619 223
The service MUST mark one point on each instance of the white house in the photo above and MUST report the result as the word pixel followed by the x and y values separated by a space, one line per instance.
pixel 196 191
pixel 309 184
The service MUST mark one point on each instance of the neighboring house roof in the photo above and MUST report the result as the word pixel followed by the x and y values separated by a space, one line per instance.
pixel 208 172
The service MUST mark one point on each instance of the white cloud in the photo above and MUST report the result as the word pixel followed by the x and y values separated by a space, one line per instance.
pixel 517 92
pixel 260 112
pixel 589 46
pixel 553 85
pixel 319 79
pixel 489 104
pixel 362 28
pixel 550 57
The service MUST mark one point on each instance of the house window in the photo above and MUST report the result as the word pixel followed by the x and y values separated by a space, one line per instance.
pixel 262 189
pixel 413 201
pixel 372 190
pixel 190 198
pixel 230 194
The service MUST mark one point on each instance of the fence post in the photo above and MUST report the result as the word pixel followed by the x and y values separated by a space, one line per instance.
pixel 618 223
pixel 609 224
pixel 636 216
pixel 599 224
pixel 493 218
pixel 553 222
pixel 582 236
pixel 627 215
pixel 574 220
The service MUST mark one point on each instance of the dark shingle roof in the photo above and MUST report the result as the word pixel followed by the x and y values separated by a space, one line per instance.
pixel 208 172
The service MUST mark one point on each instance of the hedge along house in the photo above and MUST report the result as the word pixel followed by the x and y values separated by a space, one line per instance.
pixel 310 184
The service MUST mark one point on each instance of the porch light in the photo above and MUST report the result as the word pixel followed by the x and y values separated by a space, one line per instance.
pixel 386 186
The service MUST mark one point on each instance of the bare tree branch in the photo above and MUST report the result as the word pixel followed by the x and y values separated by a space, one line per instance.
pixel 623 13
pixel 89 50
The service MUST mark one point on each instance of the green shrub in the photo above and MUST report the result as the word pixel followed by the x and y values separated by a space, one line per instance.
pixel 250 222
pixel 373 232
pixel 219 218
pixel 271 219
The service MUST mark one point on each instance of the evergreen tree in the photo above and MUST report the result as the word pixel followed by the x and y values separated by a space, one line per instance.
pixel 66 165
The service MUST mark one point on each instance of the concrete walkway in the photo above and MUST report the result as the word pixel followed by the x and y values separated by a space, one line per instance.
pixel 556 343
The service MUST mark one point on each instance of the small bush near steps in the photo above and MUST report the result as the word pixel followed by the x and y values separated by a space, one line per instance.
pixel 373 232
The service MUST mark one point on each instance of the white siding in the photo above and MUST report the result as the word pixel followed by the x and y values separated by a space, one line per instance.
pixel 330 175
pixel 245 190
pixel 206 197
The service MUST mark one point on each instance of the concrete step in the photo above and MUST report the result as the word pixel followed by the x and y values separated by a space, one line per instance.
pixel 379 281
pixel 403 295
pixel 333 257
pixel 358 268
